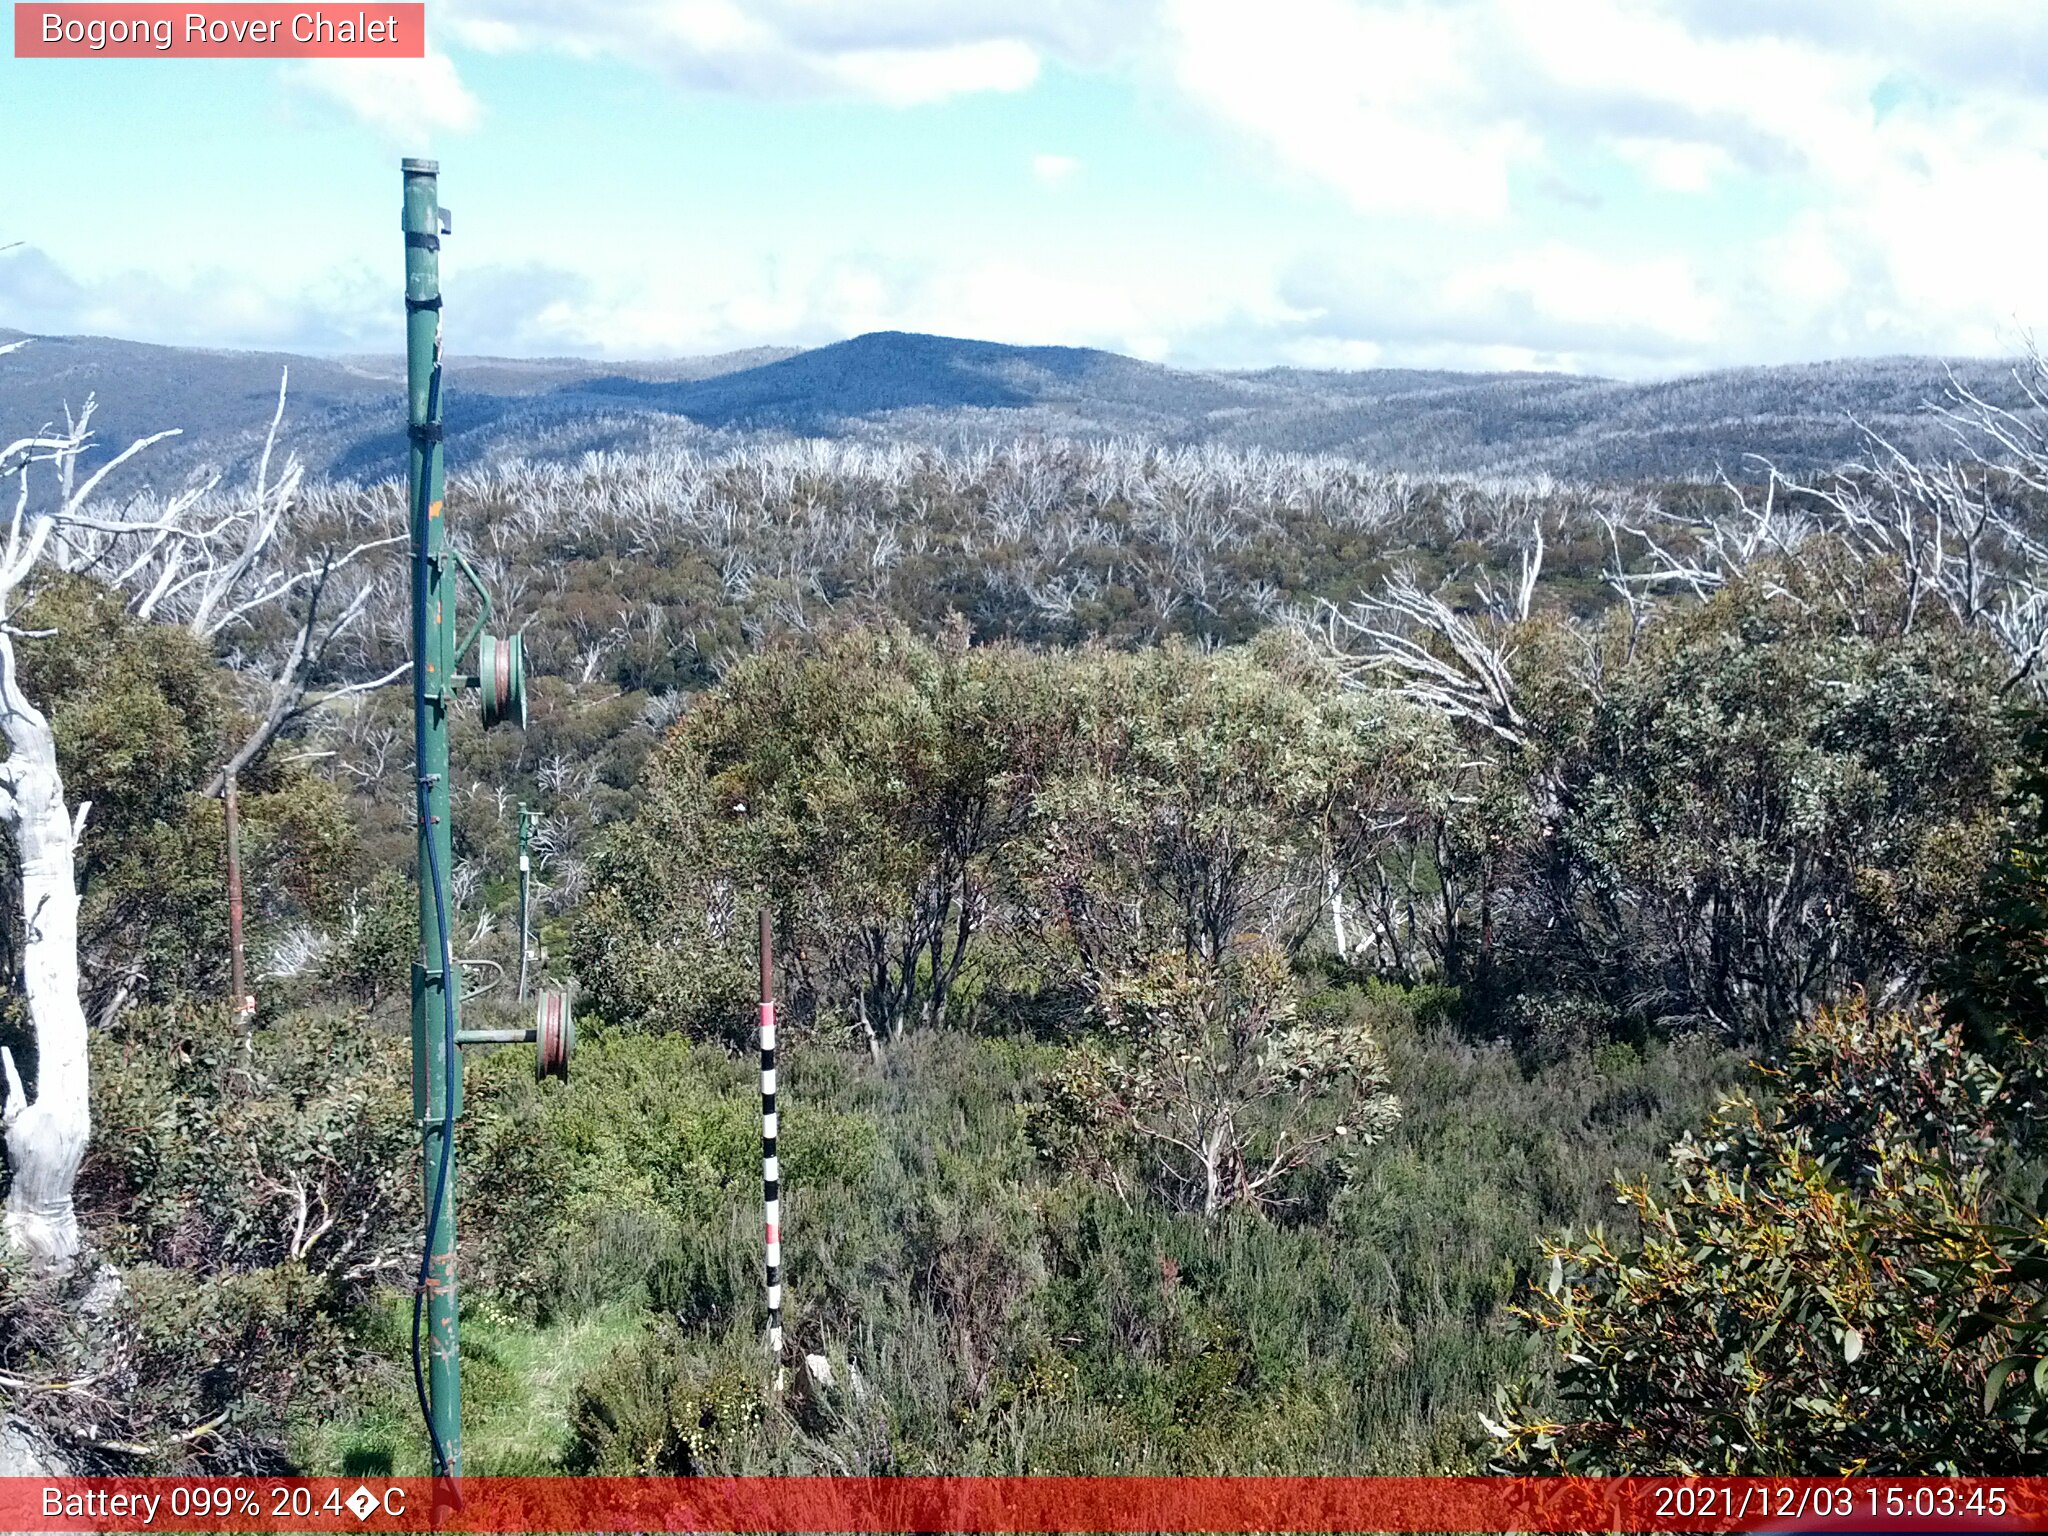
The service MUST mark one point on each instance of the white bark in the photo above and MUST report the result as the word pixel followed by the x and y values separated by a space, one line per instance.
pixel 1416 643
pixel 46 1136
pixel 165 555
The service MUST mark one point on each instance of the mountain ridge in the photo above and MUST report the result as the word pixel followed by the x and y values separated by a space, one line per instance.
pixel 344 413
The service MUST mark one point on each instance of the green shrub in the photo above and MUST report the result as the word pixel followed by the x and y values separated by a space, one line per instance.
pixel 1002 1317
pixel 1790 1304
pixel 371 957
pixel 653 1410
pixel 599 1188
pixel 256 1187
pixel 1214 1088
pixel 1758 805
pixel 217 1150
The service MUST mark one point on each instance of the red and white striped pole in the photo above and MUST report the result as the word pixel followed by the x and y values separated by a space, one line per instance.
pixel 771 1164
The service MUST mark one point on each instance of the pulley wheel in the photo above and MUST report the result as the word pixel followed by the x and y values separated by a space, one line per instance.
pixel 501 679
pixel 554 1035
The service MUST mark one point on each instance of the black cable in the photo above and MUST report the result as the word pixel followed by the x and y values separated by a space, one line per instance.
pixel 419 1295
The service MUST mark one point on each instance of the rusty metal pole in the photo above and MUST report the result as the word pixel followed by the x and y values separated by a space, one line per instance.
pixel 238 976
pixel 526 820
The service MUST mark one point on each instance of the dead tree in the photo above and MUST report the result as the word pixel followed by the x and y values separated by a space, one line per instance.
pixel 1887 539
pixel 1419 646
pixel 185 557
pixel 46 1136
pixel 243 563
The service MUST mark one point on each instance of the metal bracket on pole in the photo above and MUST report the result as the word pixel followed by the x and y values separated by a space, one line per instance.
pixel 483 594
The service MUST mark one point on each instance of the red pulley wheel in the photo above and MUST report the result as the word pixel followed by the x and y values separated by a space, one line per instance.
pixel 554 1035
pixel 501 679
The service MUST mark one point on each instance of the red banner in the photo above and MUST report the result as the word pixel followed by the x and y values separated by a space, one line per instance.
pixel 1016 1504
pixel 258 30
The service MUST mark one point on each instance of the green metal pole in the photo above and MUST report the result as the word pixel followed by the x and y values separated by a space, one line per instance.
pixel 436 1064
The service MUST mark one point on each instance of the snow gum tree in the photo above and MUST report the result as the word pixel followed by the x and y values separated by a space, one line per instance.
pixel 46 1135
pixel 201 560
pixel 1212 1086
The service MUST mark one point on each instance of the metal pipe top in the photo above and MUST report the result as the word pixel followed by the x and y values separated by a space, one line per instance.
pixel 420 167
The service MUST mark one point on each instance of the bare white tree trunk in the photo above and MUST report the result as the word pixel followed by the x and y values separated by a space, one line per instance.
pixel 1334 886
pixel 168 557
pixel 1212 1171
pixel 46 1138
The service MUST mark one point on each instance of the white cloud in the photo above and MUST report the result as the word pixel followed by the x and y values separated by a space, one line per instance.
pixel 1591 293
pixel 908 77
pixel 407 100
pixel 1486 181
pixel 1335 353
pixel 337 310
pixel 899 52
pixel 1674 165
pixel 1910 143
pixel 1054 170
pixel 1888 126
pixel 1375 100
pixel 1552 305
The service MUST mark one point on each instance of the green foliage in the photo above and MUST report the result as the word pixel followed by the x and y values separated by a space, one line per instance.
pixel 621 1184
pixel 1858 1088
pixel 654 1410
pixel 1199 797
pixel 1214 1087
pixel 299 847
pixel 141 714
pixel 372 956
pixel 1728 818
pixel 1003 1316
pixel 1790 1305
pixel 138 713
pixel 893 799
pixel 1758 807
pixel 1996 979
pixel 138 709
pixel 218 1151
pixel 254 1190
pixel 861 787
pixel 162 1369
pixel 1995 985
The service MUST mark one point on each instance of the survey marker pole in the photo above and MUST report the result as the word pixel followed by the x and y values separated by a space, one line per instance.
pixel 436 1063
pixel 771 1163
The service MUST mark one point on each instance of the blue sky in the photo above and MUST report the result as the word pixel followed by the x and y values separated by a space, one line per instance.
pixel 1636 187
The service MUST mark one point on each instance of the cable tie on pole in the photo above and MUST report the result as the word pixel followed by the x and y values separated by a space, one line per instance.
pixel 433 303
pixel 424 431
pixel 416 241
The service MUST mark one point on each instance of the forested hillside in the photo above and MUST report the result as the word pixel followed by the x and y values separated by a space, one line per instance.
pixel 1288 966
pixel 893 388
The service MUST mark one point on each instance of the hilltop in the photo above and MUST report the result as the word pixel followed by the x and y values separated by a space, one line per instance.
pixel 891 385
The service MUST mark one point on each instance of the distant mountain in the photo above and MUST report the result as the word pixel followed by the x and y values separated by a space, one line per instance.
pixel 345 415
pixel 887 373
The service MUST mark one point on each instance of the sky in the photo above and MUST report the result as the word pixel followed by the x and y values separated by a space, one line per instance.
pixel 1639 188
